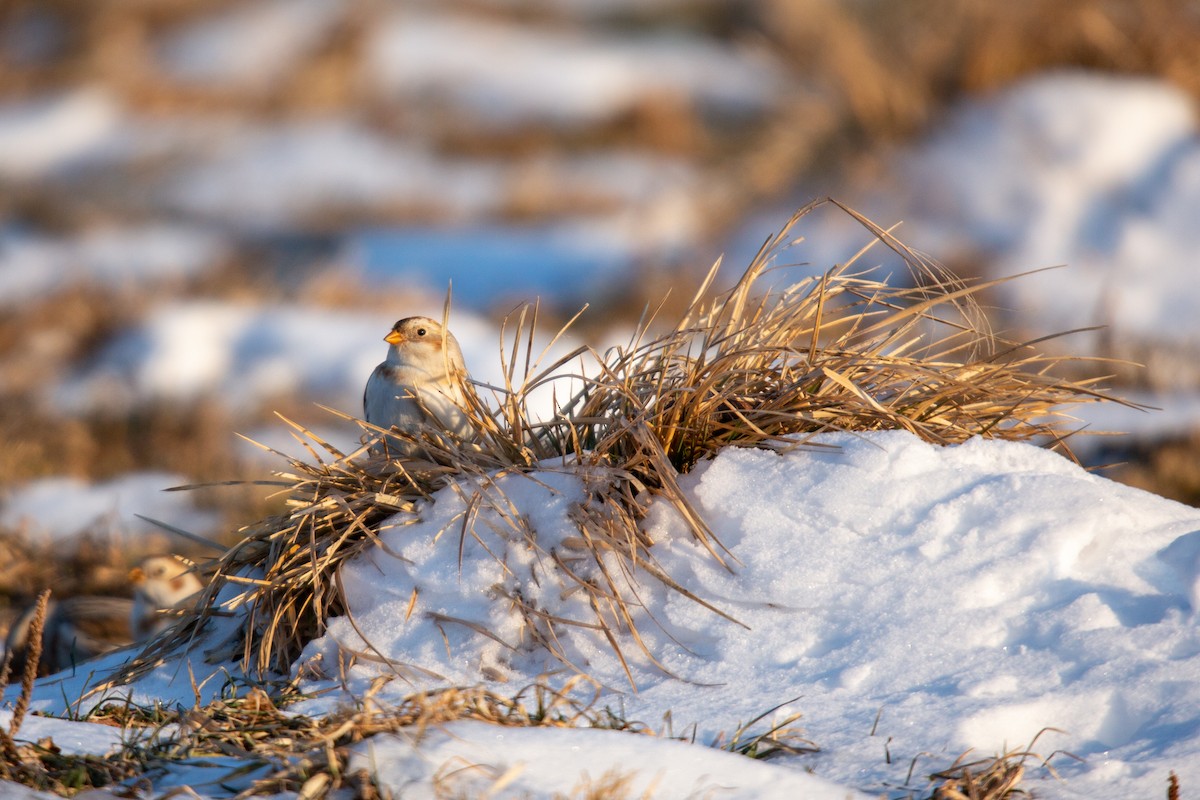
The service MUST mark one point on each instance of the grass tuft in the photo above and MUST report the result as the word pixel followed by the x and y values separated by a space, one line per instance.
pixel 754 366
pixel 996 778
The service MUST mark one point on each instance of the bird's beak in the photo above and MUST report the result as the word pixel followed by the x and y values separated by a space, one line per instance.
pixel 136 576
pixel 395 337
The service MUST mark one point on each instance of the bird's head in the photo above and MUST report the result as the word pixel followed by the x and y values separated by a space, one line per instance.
pixel 423 342
pixel 164 581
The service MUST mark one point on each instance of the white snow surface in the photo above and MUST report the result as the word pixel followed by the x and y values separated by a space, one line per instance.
pixel 502 74
pixel 1098 173
pixel 115 258
pixel 251 46
pixel 50 134
pixel 64 507
pixel 907 599
pixel 539 762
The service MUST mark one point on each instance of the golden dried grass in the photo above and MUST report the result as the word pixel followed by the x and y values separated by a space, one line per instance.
pixel 253 731
pixel 751 366
pixel 996 778
pixel 299 753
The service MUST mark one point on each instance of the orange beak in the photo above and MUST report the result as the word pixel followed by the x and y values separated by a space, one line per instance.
pixel 395 337
pixel 136 576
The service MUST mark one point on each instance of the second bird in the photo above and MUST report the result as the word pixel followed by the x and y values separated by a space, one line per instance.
pixel 421 384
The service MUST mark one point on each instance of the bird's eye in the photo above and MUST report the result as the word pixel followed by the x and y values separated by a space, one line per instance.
pixel 420 331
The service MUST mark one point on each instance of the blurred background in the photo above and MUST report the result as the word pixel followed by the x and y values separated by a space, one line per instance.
pixel 212 211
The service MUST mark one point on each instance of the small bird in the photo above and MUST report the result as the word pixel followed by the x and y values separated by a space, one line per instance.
pixel 85 626
pixel 422 384
pixel 160 584
pixel 76 629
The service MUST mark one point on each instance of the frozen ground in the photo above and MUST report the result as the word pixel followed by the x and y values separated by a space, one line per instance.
pixel 907 599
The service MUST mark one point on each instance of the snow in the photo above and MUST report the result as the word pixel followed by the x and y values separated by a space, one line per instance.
pixel 910 601
pixel 70 736
pixel 49 134
pixel 64 507
pixel 254 45
pixel 502 74
pixel 115 258
pixel 69 137
pixel 1100 173
pixel 971 596
pixel 537 762
pixel 272 175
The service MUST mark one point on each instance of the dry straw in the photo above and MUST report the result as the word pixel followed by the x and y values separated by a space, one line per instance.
pixel 996 778
pixel 751 366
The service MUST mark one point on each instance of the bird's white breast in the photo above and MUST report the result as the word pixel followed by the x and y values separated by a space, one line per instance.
pixel 392 398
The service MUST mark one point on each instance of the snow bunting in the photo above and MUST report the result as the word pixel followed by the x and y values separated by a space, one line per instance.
pixel 86 626
pixel 421 384
pixel 75 630
pixel 160 584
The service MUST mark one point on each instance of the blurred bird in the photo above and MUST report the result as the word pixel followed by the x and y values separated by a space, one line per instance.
pixel 86 626
pixel 76 629
pixel 422 383
pixel 160 584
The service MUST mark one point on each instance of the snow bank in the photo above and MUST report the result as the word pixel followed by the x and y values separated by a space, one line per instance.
pixel 541 762
pixel 1099 173
pixel 911 601
pixel 969 596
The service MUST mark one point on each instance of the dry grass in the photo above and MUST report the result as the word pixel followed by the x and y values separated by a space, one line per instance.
pixel 783 737
pixel 252 730
pixel 997 778
pixel 94 563
pixel 297 753
pixel 893 67
pixel 747 367
pixel 42 765
pixel 1167 466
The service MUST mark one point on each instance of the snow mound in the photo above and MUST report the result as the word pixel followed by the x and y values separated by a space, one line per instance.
pixel 544 762
pixel 969 596
pixel 910 601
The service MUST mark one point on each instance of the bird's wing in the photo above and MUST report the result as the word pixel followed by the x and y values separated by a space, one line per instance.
pixel 376 395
